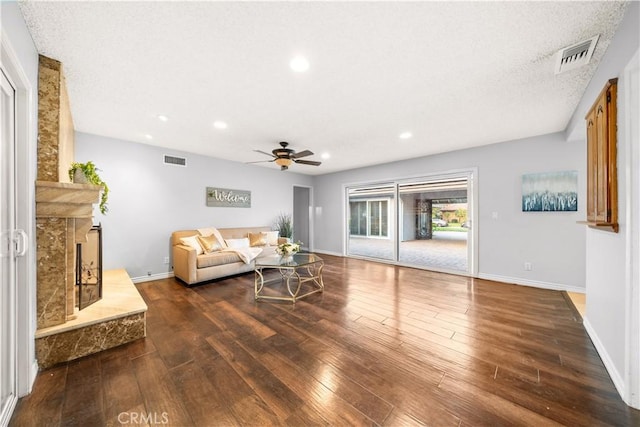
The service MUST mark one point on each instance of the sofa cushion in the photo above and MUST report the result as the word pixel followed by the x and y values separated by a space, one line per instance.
pixel 238 243
pixel 210 243
pixel 272 238
pixel 217 258
pixel 192 242
pixel 257 239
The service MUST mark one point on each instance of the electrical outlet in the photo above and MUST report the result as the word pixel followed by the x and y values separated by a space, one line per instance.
pixel 528 266
pixel 166 260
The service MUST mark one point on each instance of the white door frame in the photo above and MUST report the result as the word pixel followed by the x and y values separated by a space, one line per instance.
pixel 632 190
pixel 27 368
pixel 9 250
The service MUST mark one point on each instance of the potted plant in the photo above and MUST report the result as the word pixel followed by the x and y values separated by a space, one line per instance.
pixel 86 173
pixel 284 225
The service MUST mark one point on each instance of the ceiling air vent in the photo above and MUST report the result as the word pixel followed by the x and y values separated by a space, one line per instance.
pixel 576 55
pixel 176 161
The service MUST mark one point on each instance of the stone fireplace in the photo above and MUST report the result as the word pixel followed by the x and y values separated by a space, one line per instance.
pixel 64 216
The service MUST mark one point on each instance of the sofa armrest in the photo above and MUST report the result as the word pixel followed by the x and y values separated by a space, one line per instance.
pixel 184 263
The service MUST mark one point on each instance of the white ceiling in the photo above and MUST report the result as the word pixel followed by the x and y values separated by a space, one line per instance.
pixel 454 74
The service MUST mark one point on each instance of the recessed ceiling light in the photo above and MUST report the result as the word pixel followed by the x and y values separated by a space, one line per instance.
pixel 325 156
pixel 299 64
pixel 146 135
pixel 405 135
pixel 218 124
pixel 162 117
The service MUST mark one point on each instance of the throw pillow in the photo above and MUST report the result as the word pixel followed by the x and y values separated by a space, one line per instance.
pixel 192 241
pixel 272 238
pixel 209 243
pixel 237 243
pixel 257 239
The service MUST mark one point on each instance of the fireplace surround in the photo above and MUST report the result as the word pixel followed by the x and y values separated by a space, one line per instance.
pixel 64 219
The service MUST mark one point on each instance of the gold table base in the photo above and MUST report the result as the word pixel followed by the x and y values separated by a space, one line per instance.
pixel 291 277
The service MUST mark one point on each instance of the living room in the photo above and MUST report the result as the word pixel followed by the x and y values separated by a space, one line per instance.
pixel 150 199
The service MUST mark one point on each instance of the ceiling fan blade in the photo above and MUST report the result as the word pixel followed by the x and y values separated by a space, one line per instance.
pixel 261 161
pixel 307 162
pixel 264 152
pixel 304 153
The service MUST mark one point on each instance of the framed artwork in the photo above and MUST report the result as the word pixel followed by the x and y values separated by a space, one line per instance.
pixel 227 198
pixel 550 192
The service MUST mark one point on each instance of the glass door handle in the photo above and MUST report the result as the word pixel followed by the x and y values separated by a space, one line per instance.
pixel 21 241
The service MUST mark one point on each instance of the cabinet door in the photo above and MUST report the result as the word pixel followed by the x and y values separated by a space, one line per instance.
pixel 602 192
pixel 602 153
pixel 592 166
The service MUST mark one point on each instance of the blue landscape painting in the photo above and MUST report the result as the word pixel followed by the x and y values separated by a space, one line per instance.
pixel 553 192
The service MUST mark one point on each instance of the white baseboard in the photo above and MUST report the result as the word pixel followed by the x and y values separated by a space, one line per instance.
pixel 532 283
pixel 606 359
pixel 152 277
pixel 316 251
pixel 34 374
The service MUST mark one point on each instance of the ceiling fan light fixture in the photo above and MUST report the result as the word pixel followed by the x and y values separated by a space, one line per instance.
pixel 283 162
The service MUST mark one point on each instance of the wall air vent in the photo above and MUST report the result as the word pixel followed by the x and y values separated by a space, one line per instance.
pixel 175 161
pixel 576 55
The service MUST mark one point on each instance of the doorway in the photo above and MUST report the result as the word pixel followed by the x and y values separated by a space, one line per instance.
pixel 8 251
pixel 423 222
pixel 18 367
pixel 302 217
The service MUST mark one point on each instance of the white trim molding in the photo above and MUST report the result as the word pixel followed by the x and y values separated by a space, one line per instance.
pixel 631 88
pixel 152 277
pixel 617 379
pixel 532 283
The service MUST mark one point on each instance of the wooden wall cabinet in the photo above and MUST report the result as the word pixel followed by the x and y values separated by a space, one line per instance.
pixel 602 184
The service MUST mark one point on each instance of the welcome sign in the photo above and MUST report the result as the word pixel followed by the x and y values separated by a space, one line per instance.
pixel 227 198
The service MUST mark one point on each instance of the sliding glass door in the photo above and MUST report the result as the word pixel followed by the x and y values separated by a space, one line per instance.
pixel 421 222
pixel 434 224
pixel 369 225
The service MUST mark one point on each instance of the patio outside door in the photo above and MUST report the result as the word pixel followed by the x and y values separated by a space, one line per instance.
pixel 435 225
pixel 423 222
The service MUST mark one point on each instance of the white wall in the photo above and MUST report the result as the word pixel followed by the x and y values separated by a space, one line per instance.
pixel 607 261
pixel 148 199
pixel 552 242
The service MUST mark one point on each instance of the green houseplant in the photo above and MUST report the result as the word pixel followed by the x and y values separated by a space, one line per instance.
pixel 87 173
pixel 284 225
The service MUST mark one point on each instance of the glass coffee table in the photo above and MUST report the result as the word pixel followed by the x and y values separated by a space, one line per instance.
pixel 294 273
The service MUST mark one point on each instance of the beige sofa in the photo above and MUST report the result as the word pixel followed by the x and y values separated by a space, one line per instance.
pixel 192 268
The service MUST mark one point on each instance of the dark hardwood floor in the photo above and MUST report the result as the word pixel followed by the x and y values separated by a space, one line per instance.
pixel 383 345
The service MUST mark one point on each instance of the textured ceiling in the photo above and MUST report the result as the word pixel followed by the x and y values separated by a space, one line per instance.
pixel 454 74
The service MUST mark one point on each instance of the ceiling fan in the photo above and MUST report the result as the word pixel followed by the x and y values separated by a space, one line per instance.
pixel 284 156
